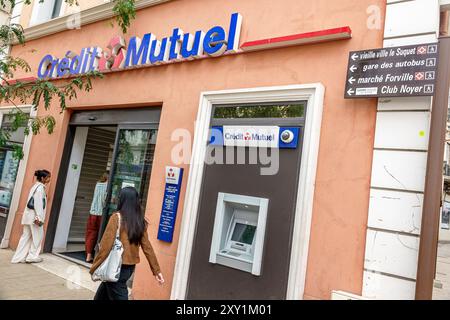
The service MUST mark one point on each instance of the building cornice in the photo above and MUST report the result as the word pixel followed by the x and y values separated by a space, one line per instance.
pixel 91 15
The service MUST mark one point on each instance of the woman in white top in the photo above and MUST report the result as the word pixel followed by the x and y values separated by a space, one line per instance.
pixel 30 243
pixel 95 216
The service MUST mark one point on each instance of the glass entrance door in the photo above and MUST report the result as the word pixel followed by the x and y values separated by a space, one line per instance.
pixel 132 165
pixel 9 165
pixel 8 172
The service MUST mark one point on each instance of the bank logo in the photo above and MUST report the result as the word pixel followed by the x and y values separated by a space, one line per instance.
pixel 249 136
pixel 422 50
pixel 172 175
pixel 147 51
pixel 255 136
pixel 420 76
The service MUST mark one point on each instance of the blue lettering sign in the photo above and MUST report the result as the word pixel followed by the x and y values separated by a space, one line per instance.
pixel 174 52
pixel 191 45
pixel 169 209
pixel 158 51
pixel 63 67
pixel 234 32
pixel 138 56
pixel 43 69
pixel 149 50
pixel 214 42
pixel 85 60
pixel 75 65
pixel 92 65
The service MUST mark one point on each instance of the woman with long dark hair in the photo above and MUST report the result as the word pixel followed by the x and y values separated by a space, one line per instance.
pixel 33 218
pixel 133 233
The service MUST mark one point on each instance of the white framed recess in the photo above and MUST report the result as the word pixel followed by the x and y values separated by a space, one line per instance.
pixel 20 173
pixel 314 95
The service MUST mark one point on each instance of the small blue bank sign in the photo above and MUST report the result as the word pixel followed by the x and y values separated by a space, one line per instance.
pixel 255 136
pixel 174 177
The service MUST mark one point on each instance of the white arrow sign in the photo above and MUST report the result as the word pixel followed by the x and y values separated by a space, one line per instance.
pixel 350 92
pixel 351 80
pixel 354 56
pixel 353 68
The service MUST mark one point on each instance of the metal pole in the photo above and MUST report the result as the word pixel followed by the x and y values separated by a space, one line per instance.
pixel 426 268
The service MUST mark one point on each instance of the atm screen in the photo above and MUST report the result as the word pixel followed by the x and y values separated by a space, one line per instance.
pixel 243 233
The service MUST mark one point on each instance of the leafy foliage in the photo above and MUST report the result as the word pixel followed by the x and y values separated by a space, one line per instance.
pixel 125 11
pixel 262 111
pixel 41 92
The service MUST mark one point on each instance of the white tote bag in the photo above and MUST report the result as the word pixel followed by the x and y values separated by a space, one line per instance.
pixel 109 270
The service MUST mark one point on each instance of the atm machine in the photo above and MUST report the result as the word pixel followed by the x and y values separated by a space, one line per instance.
pixel 247 202
pixel 239 230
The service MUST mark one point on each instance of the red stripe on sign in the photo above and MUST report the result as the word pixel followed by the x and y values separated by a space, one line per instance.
pixel 14 81
pixel 299 39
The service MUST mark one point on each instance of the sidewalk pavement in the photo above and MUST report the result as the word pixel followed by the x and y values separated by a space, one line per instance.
pixel 32 282
pixel 441 289
pixel 58 279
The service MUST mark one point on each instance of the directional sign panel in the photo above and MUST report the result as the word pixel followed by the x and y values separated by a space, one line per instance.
pixel 392 72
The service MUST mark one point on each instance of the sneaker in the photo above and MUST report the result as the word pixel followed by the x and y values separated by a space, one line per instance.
pixel 37 260
pixel 16 262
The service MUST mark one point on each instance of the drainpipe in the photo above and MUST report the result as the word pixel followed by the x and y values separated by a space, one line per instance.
pixel 443 26
pixel 426 268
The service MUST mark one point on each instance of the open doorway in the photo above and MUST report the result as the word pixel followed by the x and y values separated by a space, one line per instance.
pixel 91 158
pixel 117 142
pixel 121 154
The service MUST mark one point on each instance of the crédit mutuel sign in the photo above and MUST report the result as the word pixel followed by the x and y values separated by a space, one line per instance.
pixel 144 52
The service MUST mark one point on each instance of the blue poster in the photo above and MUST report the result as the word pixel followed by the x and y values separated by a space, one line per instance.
pixel 255 136
pixel 170 203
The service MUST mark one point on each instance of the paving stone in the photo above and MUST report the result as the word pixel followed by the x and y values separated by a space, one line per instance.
pixel 29 282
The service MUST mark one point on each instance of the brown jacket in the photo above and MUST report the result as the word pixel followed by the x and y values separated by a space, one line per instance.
pixel 130 254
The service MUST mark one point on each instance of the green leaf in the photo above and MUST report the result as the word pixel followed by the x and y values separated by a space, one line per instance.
pixel 125 11
pixel 18 152
pixel 42 92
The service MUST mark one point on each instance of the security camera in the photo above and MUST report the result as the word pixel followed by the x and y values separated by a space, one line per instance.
pixel 287 136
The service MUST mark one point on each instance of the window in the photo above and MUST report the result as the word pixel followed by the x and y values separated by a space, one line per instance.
pixel 17 136
pixel 288 110
pixel 56 9
pixel 9 165
pixel 45 11
pixel 16 13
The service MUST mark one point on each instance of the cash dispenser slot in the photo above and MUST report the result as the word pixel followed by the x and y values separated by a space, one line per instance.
pixel 239 230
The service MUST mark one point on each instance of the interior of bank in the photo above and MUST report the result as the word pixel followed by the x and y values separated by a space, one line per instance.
pixel 103 160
